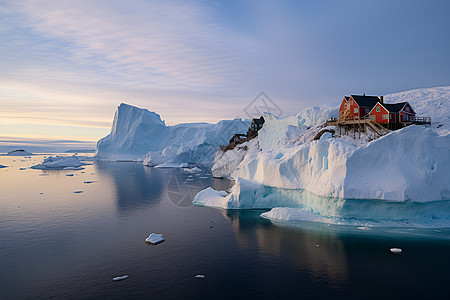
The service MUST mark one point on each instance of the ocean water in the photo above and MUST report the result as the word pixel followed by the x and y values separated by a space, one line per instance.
pixel 58 244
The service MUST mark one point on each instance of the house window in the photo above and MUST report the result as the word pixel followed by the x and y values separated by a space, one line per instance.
pixel 378 109
pixel 390 116
pixel 372 118
pixel 355 110
pixel 385 116
pixel 407 109
pixel 351 102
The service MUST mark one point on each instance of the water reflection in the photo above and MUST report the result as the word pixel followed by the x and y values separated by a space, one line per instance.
pixel 136 186
pixel 323 255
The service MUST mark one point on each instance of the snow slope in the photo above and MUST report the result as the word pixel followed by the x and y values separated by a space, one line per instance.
pixel 138 133
pixel 431 102
pixel 342 177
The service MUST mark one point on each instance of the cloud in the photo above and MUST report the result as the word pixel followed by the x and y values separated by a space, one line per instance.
pixel 161 44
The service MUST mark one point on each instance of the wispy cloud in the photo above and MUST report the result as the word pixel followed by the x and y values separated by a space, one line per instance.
pixel 163 44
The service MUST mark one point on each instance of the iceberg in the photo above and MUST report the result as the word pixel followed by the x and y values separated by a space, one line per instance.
pixel 60 163
pixel 141 134
pixel 396 250
pixel 2 166
pixel 302 171
pixel 19 152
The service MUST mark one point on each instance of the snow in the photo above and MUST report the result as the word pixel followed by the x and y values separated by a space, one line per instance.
pixel 60 163
pixel 138 133
pixel 430 102
pixel 19 152
pixel 155 238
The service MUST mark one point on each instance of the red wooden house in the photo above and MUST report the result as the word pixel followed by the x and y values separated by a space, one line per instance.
pixel 392 113
pixel 357 106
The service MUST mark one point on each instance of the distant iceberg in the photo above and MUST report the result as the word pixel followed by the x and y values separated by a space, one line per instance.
pixel 19 152
pixel 139 134
pixel 60 163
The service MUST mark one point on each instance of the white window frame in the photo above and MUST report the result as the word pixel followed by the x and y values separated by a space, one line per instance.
pixel 373 118
pixel 355 110
pixel 385 117
pixel 378 109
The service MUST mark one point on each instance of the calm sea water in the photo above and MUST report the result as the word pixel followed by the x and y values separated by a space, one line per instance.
pixel 58 244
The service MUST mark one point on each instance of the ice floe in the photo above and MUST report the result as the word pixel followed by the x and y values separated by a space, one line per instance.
pixel 155 238
pixel 396 250
pixel 60 163
pixel 119 278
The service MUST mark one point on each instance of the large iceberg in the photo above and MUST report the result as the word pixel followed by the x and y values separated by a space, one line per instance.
pixel 138 134
pixel 313 176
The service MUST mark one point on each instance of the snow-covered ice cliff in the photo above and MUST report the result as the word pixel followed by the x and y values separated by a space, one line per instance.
pixel 139 134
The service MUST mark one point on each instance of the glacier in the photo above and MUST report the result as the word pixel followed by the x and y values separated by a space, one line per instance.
pixel 139 134
pixel 402 177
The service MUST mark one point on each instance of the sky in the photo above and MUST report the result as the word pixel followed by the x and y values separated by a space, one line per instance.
pixel 65 66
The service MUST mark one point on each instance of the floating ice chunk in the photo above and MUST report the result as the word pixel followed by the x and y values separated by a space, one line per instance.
pixel 89 181
pixel 396 250
pixel 60 163
pixel 199 276
pixel 183 165
pixel 2 166
pixel 21 169
pixel 77 192
pixel 44 174
pixel 69 174
pixel 193 170
pixel 73 168
pixel 155 238
pixel 119 278
pixel 168 165
pixel 211 197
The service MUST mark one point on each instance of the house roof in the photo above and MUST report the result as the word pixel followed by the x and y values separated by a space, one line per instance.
pixel 258 121
pixel 368 101
pixel 395 107
pixel 346 97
